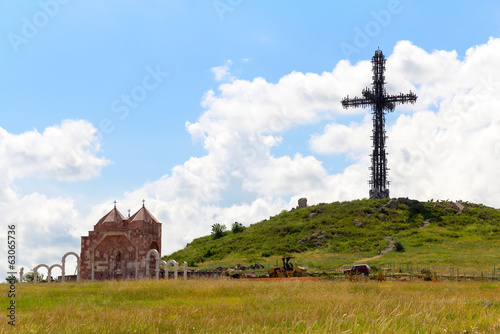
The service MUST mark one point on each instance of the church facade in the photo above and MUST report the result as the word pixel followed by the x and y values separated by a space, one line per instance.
pixel 117 247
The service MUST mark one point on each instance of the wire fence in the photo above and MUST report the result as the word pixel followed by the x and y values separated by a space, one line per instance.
pixel 411 271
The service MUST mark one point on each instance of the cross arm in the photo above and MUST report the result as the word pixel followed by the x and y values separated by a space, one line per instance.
pixel 356 102
pixel 402 98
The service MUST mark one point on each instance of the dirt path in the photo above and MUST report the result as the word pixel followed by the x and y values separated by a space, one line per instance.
pixel 426 223
pixel 389 247
pixel 382 253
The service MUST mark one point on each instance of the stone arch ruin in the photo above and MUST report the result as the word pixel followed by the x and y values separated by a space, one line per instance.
pixel 77 265
pixel 49 279
pixel 176 268
pixel 157 262
pixel 35 271
pixel 185 267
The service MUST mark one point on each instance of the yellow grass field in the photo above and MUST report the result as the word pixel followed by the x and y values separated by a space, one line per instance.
pixel 232 306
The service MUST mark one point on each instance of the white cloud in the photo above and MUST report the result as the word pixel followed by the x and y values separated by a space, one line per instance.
pixel 222 73
pixel 452 153
pixel 285 176
pixel 63 153
pixel 339 138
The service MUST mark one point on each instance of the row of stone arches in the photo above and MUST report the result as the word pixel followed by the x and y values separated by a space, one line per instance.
pixel 61 266
pixel 159 261
pixel 154 252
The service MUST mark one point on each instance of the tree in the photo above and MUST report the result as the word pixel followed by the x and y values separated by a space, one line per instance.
pixel 29 277
pixel 237 227
pixel 218 230
pixel 12 279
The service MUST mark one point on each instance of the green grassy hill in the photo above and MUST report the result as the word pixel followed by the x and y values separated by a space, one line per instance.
pixel 324 237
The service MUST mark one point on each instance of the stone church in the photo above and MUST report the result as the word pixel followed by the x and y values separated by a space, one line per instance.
pixel 117 247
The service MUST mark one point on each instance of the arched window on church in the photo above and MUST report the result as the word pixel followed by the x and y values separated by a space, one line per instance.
pixel 154 245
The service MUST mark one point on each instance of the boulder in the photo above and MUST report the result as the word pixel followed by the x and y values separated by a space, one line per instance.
pixel 302 203
pixel 458 206
pixel 259 266
pixel 358 223
pixel 250 274
pixel 239 266
pixel 392 204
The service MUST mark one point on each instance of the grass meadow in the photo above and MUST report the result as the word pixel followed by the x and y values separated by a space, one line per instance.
pixel 241 306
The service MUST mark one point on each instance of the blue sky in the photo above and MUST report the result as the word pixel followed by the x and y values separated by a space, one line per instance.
pixel 75 63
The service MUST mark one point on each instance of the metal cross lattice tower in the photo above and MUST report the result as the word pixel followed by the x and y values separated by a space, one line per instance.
pixel 380 102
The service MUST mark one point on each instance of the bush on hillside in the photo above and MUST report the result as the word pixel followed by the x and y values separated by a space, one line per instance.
pixel 218 230
pixel 208 252
pixel 398 246
pixel 237 227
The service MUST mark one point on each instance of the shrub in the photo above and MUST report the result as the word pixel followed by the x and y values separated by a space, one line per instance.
pixel 208 252
pixel 30 276
pixel 218 230
pixel 427 275
pixel 398 246
pixel 191 262
pixel 12 279
pixel 380 276
pixel 266 254
pixel 237 227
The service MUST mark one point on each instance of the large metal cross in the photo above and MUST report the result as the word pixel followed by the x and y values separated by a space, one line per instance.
pixel 377 98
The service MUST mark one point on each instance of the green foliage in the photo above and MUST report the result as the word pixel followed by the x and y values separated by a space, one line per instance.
pixel 208 252
pixel 191 262
pixel 398 246
pixel 218 230
pixel 30 276
pixel 237 227
pixel 11 279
